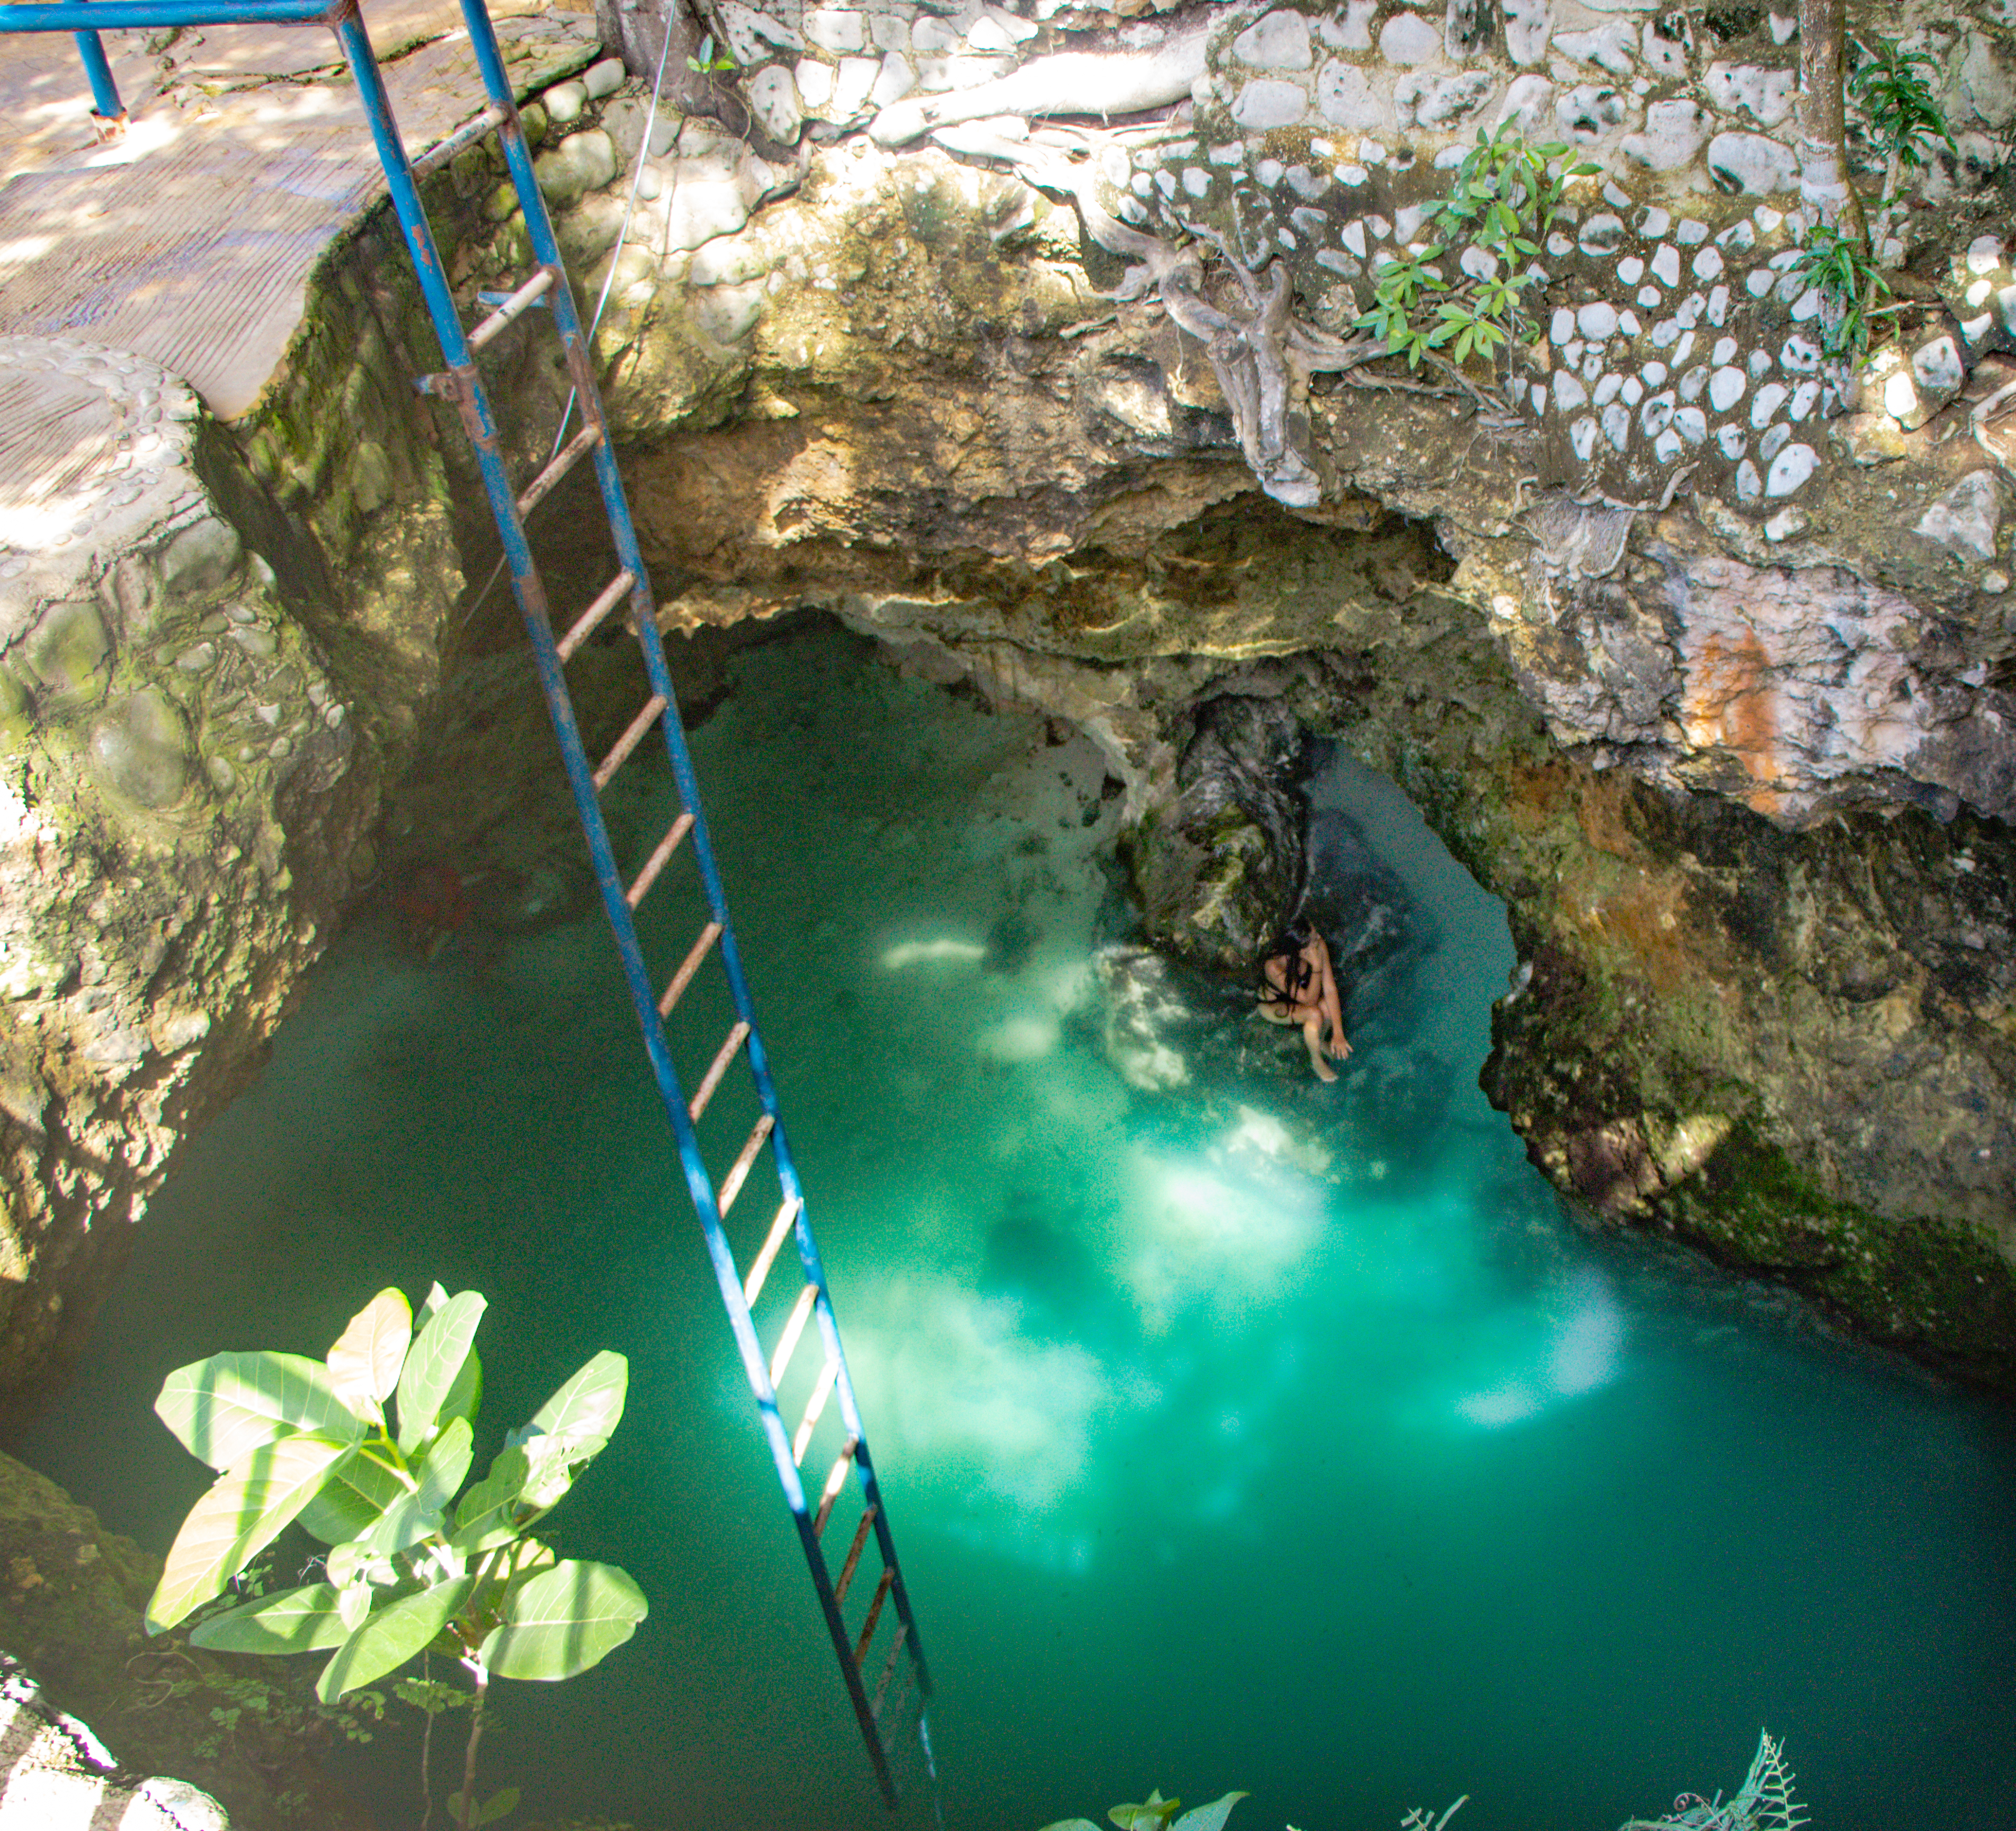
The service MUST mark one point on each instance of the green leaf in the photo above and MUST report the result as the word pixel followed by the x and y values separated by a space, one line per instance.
pixel 564 1621
pixel 588 1405
pixel 1212 1817
pixel 503 1800
pixel 415 1516
pixel 222 1407
pixel 1072 1825
pixel 392 1636
pixel 359 1489
pixel 294 1621
pixel 436 1362
pixel 486 1516
pixel 1156 1811
pixel 246 1507
pixel 364 1366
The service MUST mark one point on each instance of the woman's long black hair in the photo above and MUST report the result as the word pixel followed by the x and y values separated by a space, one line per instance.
pixel 1288 945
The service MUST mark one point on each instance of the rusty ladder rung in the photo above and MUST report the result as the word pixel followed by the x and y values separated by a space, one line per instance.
pixel 466 136
pixel 731 1184
pixel 716 1069
pixel 585 626
pixel 542 485
pixel 780 1231
pixel 690 965
pixel 519 302
pixel 853 1554
pixel 657 861
pixel 889 1671
pixel 814 1406
pixel 795 1326
pixel 874 1614
pixel 836 1480
pixel 653 709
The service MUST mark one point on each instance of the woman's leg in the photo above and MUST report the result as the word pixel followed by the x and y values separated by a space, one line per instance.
pixel 1312 1034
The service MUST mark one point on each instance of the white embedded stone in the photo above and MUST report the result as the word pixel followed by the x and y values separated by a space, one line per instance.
pixel 1739 238
pixel 1654 223
pixel 1718 306
pixel 1725 388
pixel 1596 319
pixel 1586 113
pixel 1693 384
pixel 1627 322
pixel 1654 374
pixel 1665 52
pixel 1807 306
pixel 1749 484
pixel 773 96
pixel 896 80
pixel 604 78
pixel 1683 348
pixel 1690 310
pixel 814 83
pixel 1344 98
pixel 1666 265
pixel 1765 94
pixel 1607 390
pixel 1609 46
pixel 1197 182
pixel 1757 282
pixel 1784 25
pixel 1690 423
pixel 1559 246
pixel 1582 438
pixel 1601 235
pixel 1731 440
pixel 564 102
pixel 1267 103
pixel 1279 41
pixel 1900 399
pixel 1667 446
pixel 1633 391
pixel 1479 264
pixel 1562 326
pixel 1407 39
pixel 1786 525
pixel 1937 366
pixel 837 32
pixel 1617 425
pixel 1354 31
pixel 1526 23
pixel 1766 403
pixel 931 37
pixel 1673 134
pixel 1760 364
pixel 1569 393
pixel 1689 232
pixel 1648 296
pixel 1630 270
pixel 1724 351
pixel 1707 264
pixel 1753 163
pixel 1791 468
pixel 1984 254
pixel 1450 98
pixel 753 37
pixel 1657 414
pixel 1592 364
pixel 1773 442
pixel 1967 518
pixel 1995 583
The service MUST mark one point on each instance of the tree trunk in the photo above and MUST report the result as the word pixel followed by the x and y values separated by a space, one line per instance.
pixel 1825 185
pixel 636 30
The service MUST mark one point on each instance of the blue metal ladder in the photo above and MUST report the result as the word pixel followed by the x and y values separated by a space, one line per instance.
pixel 868 1664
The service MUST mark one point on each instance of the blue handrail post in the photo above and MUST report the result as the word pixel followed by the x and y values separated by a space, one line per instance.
pixel 108 112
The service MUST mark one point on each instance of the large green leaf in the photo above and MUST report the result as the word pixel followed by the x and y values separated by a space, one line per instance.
pixel 364 1366
pixel 487 1513
pixel 564 1621
pixel 221 1407
pixel 1210 1818
pixel 244 1507
pixel 392 1637
pixel 359 1489
pixel 413 1516
pixel 295 1621
pixel 588 1405
pixel 438 1361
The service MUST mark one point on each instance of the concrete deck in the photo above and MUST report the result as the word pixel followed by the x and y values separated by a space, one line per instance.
pixel 191 242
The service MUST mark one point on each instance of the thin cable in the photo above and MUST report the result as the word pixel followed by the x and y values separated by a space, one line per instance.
pixel 609 279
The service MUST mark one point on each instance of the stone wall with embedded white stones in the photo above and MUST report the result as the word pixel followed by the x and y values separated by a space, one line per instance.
pixel 1680 349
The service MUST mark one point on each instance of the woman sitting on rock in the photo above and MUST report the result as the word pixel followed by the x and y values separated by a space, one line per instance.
pixel 1297 986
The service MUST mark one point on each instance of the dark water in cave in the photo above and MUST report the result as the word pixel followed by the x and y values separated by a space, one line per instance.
pixel 1246 1433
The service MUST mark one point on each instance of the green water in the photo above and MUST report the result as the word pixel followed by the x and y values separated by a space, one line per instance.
pixel 1242 1433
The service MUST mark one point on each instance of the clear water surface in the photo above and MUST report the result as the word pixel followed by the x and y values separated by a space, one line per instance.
pixel 1242 1433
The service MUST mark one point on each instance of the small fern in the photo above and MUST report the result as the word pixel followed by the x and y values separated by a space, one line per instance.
pixel 1764 1802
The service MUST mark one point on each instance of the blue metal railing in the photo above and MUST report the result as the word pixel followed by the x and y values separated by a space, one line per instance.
pixel 461 384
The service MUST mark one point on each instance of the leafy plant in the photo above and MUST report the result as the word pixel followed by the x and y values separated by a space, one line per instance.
pixel 709 60
pixel 412 1568
pixel 1839 263
pixel 1906 121
pixel 1154 1813
pixel 1763 1803
pixel 1501 203
pixel 1418 1820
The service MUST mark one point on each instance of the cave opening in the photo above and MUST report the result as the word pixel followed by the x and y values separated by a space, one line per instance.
pixel 1242 1431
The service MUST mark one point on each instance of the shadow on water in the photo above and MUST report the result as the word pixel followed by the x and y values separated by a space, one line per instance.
pixel 1239 1431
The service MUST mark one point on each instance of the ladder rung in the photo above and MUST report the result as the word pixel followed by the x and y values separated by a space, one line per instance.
pixel 829 1375
pixel 690 965
pixel 656 863
pixel 467 134
pixel 522 300
pixel 542 485
pixel 731 1184
pixel 780 1231
pixel 874 1612
pixel 854 1555
pixel 888 1670
pixel 612 596
pixel 630 740
pixel 795 1326
pixel 835 1480
pixel 719 1067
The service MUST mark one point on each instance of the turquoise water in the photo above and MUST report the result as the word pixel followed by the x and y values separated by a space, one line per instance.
pixel 1237 1432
